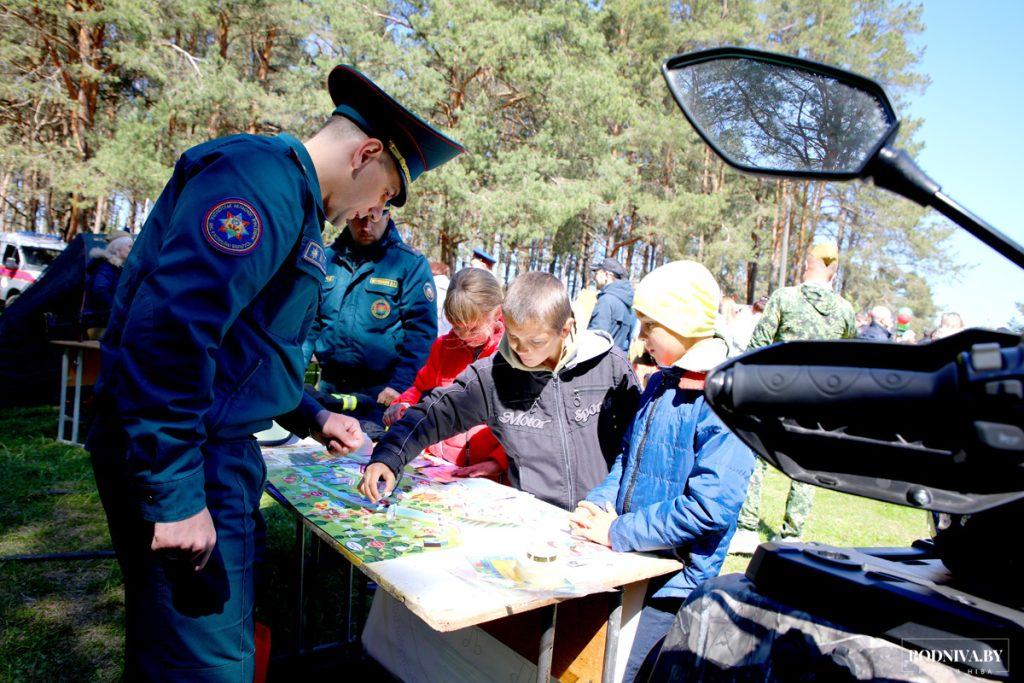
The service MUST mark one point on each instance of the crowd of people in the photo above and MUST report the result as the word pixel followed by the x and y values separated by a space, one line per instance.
pixel 596 406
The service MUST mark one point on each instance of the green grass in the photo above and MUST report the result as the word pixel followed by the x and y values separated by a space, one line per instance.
pixel 837 519
pixel 58 620
pixel 63 620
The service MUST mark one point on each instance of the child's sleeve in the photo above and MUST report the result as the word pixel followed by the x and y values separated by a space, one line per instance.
pixel 448 411
pixel 710 502
pixel 628 396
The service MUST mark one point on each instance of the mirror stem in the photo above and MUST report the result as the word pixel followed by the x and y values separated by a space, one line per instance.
pixel 895 170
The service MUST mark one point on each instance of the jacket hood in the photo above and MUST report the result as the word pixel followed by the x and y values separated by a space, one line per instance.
pixel 704 355
pixel 620 289
pixel 577 348
pixel 820 296
pixel 102 253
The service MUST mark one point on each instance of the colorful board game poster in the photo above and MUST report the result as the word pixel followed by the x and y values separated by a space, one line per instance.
pixel 324 490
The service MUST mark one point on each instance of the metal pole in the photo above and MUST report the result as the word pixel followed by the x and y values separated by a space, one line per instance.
pixel 78 397
pixel 611 638
pixel 300 612
pixel 348 605
pixel 63 394
pixel 62 557
pixel 547 643
pixel 360 603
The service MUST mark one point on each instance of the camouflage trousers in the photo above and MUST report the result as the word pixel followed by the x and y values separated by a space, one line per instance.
pixel 798 504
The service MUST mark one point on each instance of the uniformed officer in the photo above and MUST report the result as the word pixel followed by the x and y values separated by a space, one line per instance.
pixel 377 320
pixel 204 348
pixel 482 258
pixel 810 310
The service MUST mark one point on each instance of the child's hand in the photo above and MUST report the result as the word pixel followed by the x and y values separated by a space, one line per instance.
pixel 394 413
pixel 593 523
pixel 487 468
pixel 377 472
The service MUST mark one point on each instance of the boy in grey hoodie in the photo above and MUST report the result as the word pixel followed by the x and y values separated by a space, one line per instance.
pixel 558 401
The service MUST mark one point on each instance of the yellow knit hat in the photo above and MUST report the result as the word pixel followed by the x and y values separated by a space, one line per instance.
pixel 682 296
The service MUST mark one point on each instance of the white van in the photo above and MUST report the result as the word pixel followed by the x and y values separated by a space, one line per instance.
pixel 23 258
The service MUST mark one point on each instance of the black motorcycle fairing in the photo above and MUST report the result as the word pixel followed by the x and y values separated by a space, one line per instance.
pixel 933 426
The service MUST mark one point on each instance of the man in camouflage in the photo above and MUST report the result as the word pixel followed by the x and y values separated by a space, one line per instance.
pixel 810 310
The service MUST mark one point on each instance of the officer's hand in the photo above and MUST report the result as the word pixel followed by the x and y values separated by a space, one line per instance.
pixel 394 413
pixel 487 468
pixel 375 472
pixel 387 396
pixel 341 434
pixel 192 538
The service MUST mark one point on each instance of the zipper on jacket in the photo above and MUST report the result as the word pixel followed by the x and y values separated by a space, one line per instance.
pixel 628 499
pixel 565 450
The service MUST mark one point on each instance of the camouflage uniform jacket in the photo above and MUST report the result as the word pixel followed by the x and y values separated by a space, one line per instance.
pixel 807 311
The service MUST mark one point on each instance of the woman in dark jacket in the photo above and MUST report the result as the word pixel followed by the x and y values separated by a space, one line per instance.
pixel 101 276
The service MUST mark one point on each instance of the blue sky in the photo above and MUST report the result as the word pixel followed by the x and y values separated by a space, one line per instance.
pixel 974 142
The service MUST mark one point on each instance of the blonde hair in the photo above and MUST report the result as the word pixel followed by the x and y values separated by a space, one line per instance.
pixel 472 294
pixel 537 297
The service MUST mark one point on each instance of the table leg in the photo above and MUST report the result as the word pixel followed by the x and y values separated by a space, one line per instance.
pixel 349 627
pixel 632 605
pixel 362 589
pixel 78 397
pixel 547 643
pixel 300 581
pixel 63 395
pixel 611 642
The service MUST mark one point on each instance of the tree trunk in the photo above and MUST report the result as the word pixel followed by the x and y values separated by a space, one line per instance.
pixel 755 237
pixel 5 181
pixel 101 208
pixel 133 215
pixel 787 217
pixel 33 202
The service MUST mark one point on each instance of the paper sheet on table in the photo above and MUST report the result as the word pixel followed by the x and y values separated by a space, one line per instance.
pixel 438 473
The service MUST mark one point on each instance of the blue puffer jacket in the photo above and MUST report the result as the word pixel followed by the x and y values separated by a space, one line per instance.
pixel 680 486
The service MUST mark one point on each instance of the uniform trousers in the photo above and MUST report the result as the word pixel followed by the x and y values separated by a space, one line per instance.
pixel 183 625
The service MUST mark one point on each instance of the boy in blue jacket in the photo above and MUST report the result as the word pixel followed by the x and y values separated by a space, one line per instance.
pixel 679 485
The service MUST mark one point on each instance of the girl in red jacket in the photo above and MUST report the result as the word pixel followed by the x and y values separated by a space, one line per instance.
pixel 473 307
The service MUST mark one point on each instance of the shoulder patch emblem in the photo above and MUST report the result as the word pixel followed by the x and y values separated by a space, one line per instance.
pixel 233 226
pixel 380 309
pixel 428 291
pixel 314 253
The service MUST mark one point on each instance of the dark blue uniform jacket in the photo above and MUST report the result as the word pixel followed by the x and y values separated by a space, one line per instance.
pixel 378 317
pixel 205 339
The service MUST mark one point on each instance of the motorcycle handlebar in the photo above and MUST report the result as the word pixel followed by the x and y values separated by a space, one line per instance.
pixel 833 391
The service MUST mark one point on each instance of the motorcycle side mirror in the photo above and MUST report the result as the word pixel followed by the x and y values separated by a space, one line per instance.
pixel 782 116
pixel 777 115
